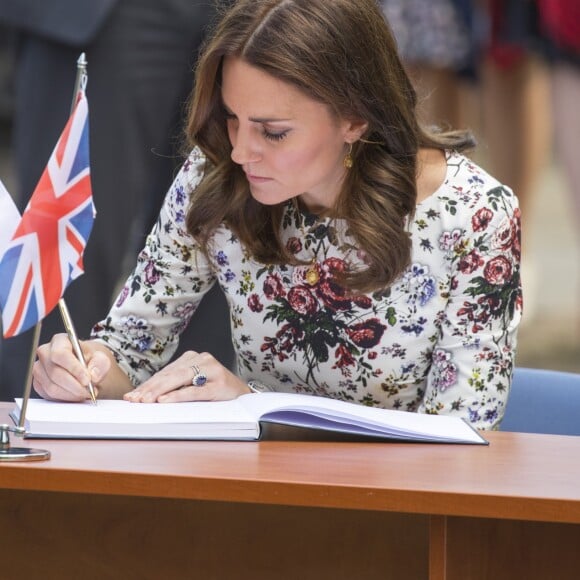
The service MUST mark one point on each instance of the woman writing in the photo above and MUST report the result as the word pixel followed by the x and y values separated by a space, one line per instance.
pixel 363 257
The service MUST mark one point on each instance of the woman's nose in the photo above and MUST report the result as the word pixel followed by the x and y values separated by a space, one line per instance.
pixel 244 149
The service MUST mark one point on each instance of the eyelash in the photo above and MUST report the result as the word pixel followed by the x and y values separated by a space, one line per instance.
pixel 276 137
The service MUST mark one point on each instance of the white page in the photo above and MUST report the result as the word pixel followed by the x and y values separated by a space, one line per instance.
pixel 118 411
pixel 390 421
pixel 125 420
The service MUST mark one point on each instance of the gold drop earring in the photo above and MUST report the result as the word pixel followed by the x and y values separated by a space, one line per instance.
pixel 348 160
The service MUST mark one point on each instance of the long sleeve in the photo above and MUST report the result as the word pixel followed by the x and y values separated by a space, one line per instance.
pixel 161 294
pixel 473 358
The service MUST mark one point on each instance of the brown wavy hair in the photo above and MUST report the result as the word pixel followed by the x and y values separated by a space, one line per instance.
pixel 340 53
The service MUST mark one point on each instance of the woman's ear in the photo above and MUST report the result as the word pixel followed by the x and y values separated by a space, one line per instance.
pixel 354 129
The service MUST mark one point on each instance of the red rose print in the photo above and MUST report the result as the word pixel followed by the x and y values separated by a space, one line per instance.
pixel 300 273
pixel 294 245
pixel 288 336
pixel 273 287
pixel 363 301
pixel 481 219
pixel 302 300
pixel 271 344
pixel 332 265
pixel 333 295
pixel 490 305
pixel 471 262
pixel 368 333
pixel 498 270
pixel 507 236
pixel 344 357
pixel 254 303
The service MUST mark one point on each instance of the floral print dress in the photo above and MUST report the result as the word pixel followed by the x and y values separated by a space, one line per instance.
pixel 441 339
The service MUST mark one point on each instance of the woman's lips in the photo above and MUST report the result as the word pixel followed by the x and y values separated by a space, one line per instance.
pixel 257 178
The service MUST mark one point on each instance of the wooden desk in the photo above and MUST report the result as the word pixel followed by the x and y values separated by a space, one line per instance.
pixel 278 509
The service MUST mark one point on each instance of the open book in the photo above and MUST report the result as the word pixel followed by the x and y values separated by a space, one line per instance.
pixel 239 419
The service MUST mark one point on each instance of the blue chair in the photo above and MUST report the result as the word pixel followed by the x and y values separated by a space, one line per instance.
pixel 543 401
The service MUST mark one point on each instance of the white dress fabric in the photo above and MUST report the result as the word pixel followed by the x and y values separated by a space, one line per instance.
pixel 441 339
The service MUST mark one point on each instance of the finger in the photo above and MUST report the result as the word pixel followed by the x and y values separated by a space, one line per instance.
pixel 175 376
pixel 59 353
pixel 159 384
pixel 189 394
pixel 59 385
pixel 98 364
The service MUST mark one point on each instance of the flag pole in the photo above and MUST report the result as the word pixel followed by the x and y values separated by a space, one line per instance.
pixel 80 84
pixel 81 79
pixel 28 384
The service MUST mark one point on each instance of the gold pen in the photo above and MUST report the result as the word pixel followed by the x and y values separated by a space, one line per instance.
pixel 72 335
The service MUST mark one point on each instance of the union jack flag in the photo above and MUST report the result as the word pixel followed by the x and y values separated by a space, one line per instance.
pixel 45 251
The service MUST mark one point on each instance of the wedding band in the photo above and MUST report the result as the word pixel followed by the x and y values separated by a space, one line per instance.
pixel 199 377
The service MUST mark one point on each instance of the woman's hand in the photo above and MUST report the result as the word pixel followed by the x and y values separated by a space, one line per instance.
pixel 60 376
pixel 173 384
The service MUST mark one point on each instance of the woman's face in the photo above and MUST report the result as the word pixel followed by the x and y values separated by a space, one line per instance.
pixel 287 144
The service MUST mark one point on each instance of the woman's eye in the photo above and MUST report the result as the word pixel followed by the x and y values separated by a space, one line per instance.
pixel 273 136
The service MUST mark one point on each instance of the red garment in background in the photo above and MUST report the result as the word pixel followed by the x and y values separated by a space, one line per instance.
pixel 560 21
pixel 503 53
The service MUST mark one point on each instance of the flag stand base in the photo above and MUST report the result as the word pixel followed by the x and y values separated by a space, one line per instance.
pixel 8 453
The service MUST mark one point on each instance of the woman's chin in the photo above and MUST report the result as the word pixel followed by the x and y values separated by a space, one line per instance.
pixel 266 199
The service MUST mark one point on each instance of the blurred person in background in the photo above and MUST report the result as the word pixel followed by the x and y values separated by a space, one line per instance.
pixel 141 55
pixel 560 27
pixel 440 44
pixel 476 65
pixel 515 97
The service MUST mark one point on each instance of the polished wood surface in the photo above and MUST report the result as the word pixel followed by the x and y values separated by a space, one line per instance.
pixel 510 549
pixel 518 476
pixel 68 536
pixel 289 509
